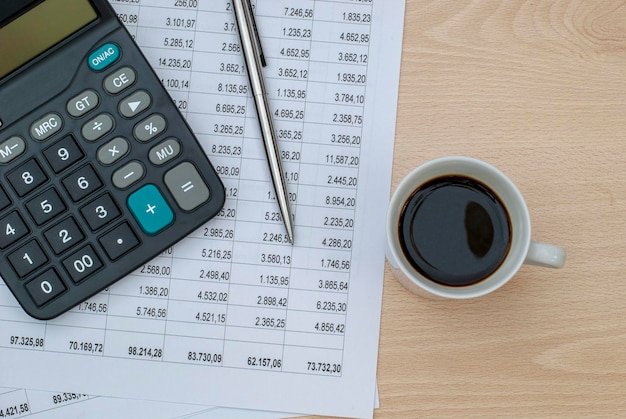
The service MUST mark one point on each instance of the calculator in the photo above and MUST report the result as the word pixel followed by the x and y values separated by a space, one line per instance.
pixel 99 172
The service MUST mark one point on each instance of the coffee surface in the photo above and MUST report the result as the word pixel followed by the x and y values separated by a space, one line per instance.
pixel 455 231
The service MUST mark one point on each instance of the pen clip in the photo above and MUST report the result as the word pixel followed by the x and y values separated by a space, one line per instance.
pixel 258 48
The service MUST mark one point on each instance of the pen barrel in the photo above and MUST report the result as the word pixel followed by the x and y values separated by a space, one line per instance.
pixel 250 46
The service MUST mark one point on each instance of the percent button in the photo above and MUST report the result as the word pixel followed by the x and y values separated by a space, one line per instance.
pixel 149 128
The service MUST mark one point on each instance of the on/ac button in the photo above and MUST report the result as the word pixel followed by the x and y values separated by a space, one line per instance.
pixel 103 57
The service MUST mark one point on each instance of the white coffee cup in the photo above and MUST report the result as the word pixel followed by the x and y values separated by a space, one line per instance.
pixel 521 248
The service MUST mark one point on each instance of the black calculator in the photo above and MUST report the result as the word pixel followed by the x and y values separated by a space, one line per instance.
pixel 99 172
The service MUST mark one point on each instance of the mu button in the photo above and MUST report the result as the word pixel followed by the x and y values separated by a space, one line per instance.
pixel 150 209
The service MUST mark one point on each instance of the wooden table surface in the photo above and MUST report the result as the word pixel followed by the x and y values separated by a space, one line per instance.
pixel 538 89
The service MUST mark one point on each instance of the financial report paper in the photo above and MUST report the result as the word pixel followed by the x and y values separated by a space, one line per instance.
pixel 234 315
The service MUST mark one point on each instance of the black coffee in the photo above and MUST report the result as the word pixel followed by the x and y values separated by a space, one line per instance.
pixel 455 231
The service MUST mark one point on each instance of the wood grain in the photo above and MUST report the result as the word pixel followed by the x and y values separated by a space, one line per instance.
pixel 538 89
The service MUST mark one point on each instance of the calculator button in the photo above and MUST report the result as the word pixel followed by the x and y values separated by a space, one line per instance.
pixel 120 80
pixel 187 186
pixel 98 127
pixel 63 154
pixel 164 152
pixel 150 128
pixel 11 149
pixel 64 235
pixel 134 104
pixel 150 209
pixel 45 206
pixel 46 127
pixel 83 103
pixel 113 151
pixel 4 199
pixel 119 241
pixel 128 174
pixel 82 263
pixel 103 57
pixel 27 177
pixel 100 211
pixel 12 228
pixel 45 287
pixel 27 258
pixel 82 183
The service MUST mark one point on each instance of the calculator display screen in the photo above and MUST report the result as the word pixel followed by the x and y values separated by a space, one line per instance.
pixel 41 28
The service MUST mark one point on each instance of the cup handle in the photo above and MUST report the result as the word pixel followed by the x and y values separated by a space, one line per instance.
pixel 546 255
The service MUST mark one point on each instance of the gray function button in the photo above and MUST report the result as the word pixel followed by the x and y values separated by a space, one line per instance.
pixel 164 152
pixel 120 80
pixel 128 174
pixel 113 151
pixel 150 128
pixel 134 104
pixel 83 103
pixel 46 127
pixel 11 149
pixel 98 127
pixel 187 186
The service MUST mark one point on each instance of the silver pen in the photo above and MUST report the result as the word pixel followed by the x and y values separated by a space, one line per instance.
pixel 255 61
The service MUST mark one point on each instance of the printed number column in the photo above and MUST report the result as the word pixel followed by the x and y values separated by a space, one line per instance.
pixel 138 305
pixel 197 317
pixel 315 335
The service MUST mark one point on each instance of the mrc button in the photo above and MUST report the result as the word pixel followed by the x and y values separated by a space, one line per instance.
pixel 46 127
pixel 103 57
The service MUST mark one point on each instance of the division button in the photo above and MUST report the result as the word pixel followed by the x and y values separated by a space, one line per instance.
pixel 128 174
pixel 119 241
pixel 150 128
pixel 45 287
pixel 134 104
pixel 164 152
pixel 150 209
pixel 187 186
pixel 11 149
pixel 113 151
pixel 46 127
pixel 83 103
pixel 120 80
pixel 98 127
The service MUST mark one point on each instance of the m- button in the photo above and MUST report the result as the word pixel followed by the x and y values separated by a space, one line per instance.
pixel 120 80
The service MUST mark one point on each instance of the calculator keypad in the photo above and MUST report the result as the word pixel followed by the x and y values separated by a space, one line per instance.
pixel 85 185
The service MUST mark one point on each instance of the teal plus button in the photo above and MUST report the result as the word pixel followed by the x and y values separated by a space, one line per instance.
pixel 150 209
pixel 103 57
